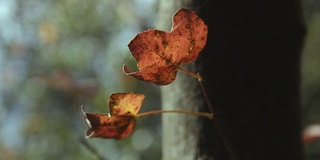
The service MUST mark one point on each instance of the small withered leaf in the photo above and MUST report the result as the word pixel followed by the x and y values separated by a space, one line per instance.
pixel 159 54
pixel 120 122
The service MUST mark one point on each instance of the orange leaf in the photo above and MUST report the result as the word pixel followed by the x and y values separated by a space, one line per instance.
pixel 125 103
pixel 120 122
pixel 159 54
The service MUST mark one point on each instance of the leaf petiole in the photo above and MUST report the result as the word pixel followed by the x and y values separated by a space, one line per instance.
pixel 195 75
pixel 202 114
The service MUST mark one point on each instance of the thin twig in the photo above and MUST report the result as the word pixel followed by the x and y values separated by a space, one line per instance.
pixel 221 132
pixel 204 91
pixel 92 149
pixel 203 114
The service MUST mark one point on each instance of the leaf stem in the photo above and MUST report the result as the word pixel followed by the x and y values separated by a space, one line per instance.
pixel 203 114
pixel 195 75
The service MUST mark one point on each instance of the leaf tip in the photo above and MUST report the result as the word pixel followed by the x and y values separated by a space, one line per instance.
pixel 125 69
pixel 87 135
pixel 82 110
pixel 85 117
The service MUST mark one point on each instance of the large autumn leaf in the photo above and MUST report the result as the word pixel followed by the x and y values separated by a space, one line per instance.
pixel 159 54
pixel 120 122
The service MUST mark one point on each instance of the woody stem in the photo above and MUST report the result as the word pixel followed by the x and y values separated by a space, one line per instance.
pixel 200 79
pixel 203 114
pixel 221 131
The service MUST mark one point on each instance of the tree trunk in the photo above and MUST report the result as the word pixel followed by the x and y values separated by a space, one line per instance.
pixel 251 70
pixel 180 132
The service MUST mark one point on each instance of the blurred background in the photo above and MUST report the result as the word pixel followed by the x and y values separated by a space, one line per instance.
pixel 57 55
pixel 310 86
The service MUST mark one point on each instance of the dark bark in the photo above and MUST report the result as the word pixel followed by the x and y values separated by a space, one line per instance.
pixel 251 69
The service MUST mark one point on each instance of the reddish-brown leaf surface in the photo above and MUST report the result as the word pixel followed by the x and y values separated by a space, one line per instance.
pixel 159 54
pixel 120 122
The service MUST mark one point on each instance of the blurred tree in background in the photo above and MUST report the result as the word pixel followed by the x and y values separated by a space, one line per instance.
pixel 58 55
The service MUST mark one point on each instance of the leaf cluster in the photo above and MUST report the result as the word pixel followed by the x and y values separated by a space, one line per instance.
pixel 159 56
